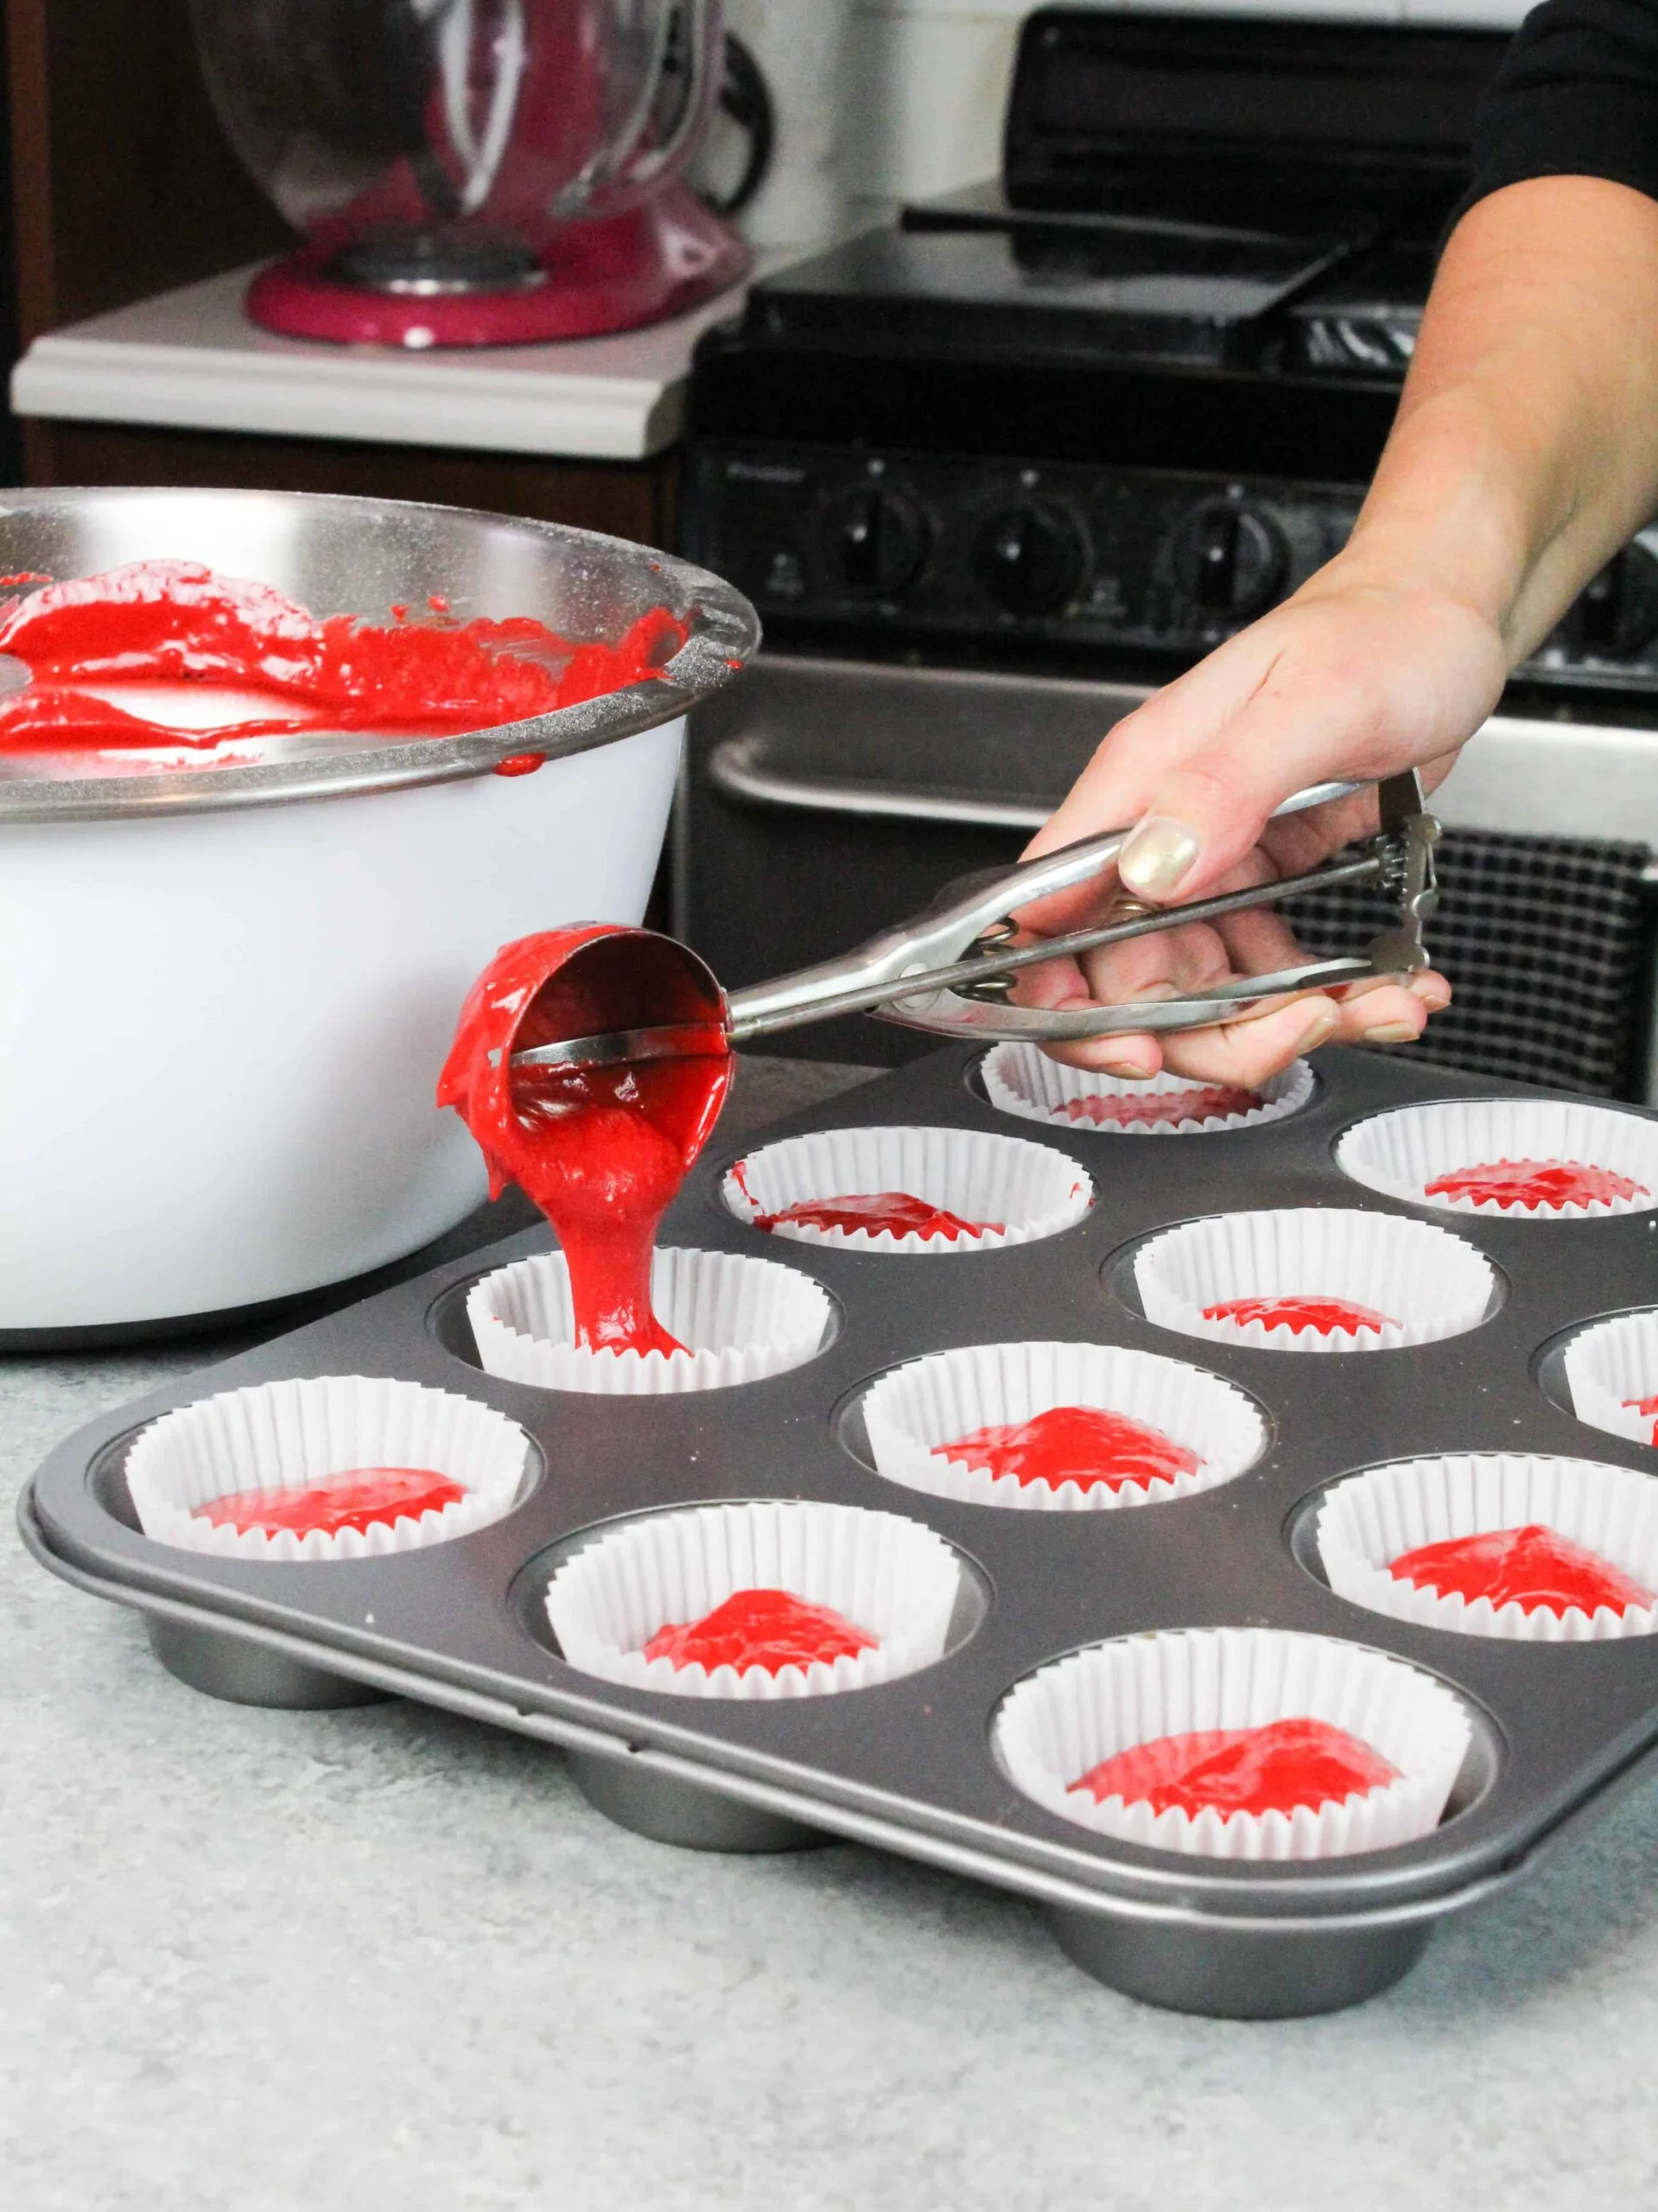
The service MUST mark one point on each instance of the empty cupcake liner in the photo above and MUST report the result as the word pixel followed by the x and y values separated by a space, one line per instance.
pixel 1609 1366
pixel 742 1318
pixel 889 1576
pixel 292 1434
pixel 1373 1518
pixel 1429 1282
pixel 1059 1723
pixel 950 1394
pixel 1034 1190
pixel 1020 1080
pixel 1402 1152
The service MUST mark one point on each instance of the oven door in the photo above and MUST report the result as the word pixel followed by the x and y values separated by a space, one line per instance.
pixel 823 799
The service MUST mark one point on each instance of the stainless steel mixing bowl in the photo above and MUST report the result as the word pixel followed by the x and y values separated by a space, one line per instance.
pixel 339 555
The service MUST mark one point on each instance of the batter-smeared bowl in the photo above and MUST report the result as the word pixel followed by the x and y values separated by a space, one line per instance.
pixel 1189 1432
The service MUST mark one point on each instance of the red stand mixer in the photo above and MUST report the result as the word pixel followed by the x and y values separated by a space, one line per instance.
pixel 473 172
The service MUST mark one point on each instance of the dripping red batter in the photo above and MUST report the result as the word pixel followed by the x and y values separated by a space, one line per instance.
pixel 1326 1315
pixel 761 1628
pixel 1085 1445
pixel 601 1150
pixel 1508 1183
pixel 1646 1408
pixel 895 1211
pixel 175 622
pixel 356 1500
pixel 1152 1108
pixel 1531 1566
pixel 1275 1768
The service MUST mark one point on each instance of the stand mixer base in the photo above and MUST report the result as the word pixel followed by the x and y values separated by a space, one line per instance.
pixel 617 274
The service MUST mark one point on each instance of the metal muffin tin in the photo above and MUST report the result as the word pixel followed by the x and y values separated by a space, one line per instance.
pixel 908 1765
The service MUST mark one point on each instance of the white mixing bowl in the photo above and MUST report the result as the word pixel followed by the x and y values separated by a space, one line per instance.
pixel 226 993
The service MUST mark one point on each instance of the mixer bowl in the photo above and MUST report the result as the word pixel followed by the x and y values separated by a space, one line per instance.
pixel 227 990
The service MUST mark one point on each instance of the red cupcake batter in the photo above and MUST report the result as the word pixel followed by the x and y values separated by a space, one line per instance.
pixel 1508 1183
pixel 1149 1109
pixel 602 1151
pixel 1326 1315
pixel 1646 1408
pixel 356 1500
pixel 176 623
pixel 1272 1769
pixel 1084 1444
pixel 875 1210
pixel 761 1628
pixel 1531 1566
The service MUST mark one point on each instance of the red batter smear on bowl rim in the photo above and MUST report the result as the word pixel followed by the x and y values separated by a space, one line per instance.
pixel 601 1150
pixel 107 653
pixel 1532 1566
pixel 1275 1768
pixel 1089 1445
pixel 357 1499
pixel 771 1629
pixel 1532 1183
pixel 1328 1316
pixel 1154 1109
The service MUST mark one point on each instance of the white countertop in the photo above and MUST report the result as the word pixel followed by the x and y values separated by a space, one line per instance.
pixel 190 359
pixel 257 1960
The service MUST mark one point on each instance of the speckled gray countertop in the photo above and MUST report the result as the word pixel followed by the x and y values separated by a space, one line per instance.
pixel 266 1962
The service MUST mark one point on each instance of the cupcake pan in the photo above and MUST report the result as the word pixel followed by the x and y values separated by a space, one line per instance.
pixel 908 1763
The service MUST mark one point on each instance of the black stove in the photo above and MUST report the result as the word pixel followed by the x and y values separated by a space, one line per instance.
pixel 1122 397
pixel 994 470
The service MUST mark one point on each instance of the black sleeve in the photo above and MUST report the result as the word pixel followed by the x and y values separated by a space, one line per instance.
pixel 1576 96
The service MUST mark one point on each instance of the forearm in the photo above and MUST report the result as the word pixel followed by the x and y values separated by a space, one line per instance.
pixel 1526 447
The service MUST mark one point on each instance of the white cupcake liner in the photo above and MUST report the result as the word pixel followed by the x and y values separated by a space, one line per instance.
pixel 951 1394
pixel 1610 1364
pixel 1402 1152
pixel 1020 1080
pixel 891 1577
pixel 1034 1190
pixel 293 1434
pixel 1059 1723
pixel 1375 1518
pixel 1428 1281
pixel 742 1319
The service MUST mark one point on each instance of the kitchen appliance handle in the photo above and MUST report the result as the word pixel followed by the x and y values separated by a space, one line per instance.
pixel 738 768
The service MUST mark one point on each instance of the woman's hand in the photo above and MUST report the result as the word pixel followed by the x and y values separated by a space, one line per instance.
pixel 1348 680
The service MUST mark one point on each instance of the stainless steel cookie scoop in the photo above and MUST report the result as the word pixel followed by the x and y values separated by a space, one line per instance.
pixel 947 971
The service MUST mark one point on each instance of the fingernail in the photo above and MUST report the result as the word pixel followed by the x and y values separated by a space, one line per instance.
pixel 1389 1033
pixel 1159 854
pixel 1128 1072
pixel 1323 1025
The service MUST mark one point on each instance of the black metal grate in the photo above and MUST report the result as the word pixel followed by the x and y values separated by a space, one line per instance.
pixel 1546 941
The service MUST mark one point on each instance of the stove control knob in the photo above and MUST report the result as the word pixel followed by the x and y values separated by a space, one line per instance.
pixel 874 539
pixel 1231 560
pixel 1618 612
pixel 1030 559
